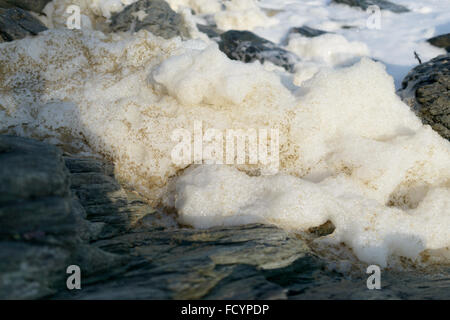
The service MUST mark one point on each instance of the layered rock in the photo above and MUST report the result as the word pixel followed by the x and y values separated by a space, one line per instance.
pixel 426 89
pixel 16 23
pixel 30 5
pixel 184 263
pixel 42 225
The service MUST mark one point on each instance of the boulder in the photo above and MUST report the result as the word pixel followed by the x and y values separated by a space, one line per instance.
pixel 248 47
pixel 426 89
pixel 30 5
pixel 307 31
pixel 383 4
pixel 155 16
pixel 42 225
pixel 210 30
pixel 16 24
pixel 304 31
pixel 442 41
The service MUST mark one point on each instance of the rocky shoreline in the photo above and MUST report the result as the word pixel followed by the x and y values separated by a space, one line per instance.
pixel 58 210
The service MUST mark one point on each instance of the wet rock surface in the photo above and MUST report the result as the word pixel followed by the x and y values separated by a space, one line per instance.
pixel 31 5
pixel 426 89
pixel 248 47
pixel 155 16
pixel 192 264
pixel 307 31
pixel 42 225
pixel 16 23
pixel 105 201
pixel 441 41
pixel 383 4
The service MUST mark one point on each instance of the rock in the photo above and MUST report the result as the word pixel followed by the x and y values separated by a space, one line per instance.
pixel 184 263
pixel 210 30
pixel 426 89
pixel 323 230
pixel 307 31
pixel 245 282
pixel 42 225
pixel 16 24
pixel 304 31
pixel 383 4
pixel 442 41
pixel 103 199
pixel 155 16
pixel 248 47
pixel 30 271
pixel 31 170
pixel 30 5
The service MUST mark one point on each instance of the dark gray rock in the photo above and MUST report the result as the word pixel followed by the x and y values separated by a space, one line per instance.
pixel 210 30
pixel 216 263
pixel 307 31
pixel 42 225
pixel 248 47
pixel 426 89
pixel 242 262
pixel 31 5
pixel 103 199
pixel 31 170
pixel 245 282
pixel 304 31
pixel 16 24
pixel 383 4
pixel 442 41
pixel 160 19
pixel 30 270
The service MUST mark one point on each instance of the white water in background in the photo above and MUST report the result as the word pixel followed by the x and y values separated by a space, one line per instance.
pixel 350 150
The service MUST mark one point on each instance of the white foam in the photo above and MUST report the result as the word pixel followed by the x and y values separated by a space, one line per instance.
pixel 325 51
pixel 220 195
pixel 242 15
pixel 192 81
pixel 199 6
pixel 331 49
